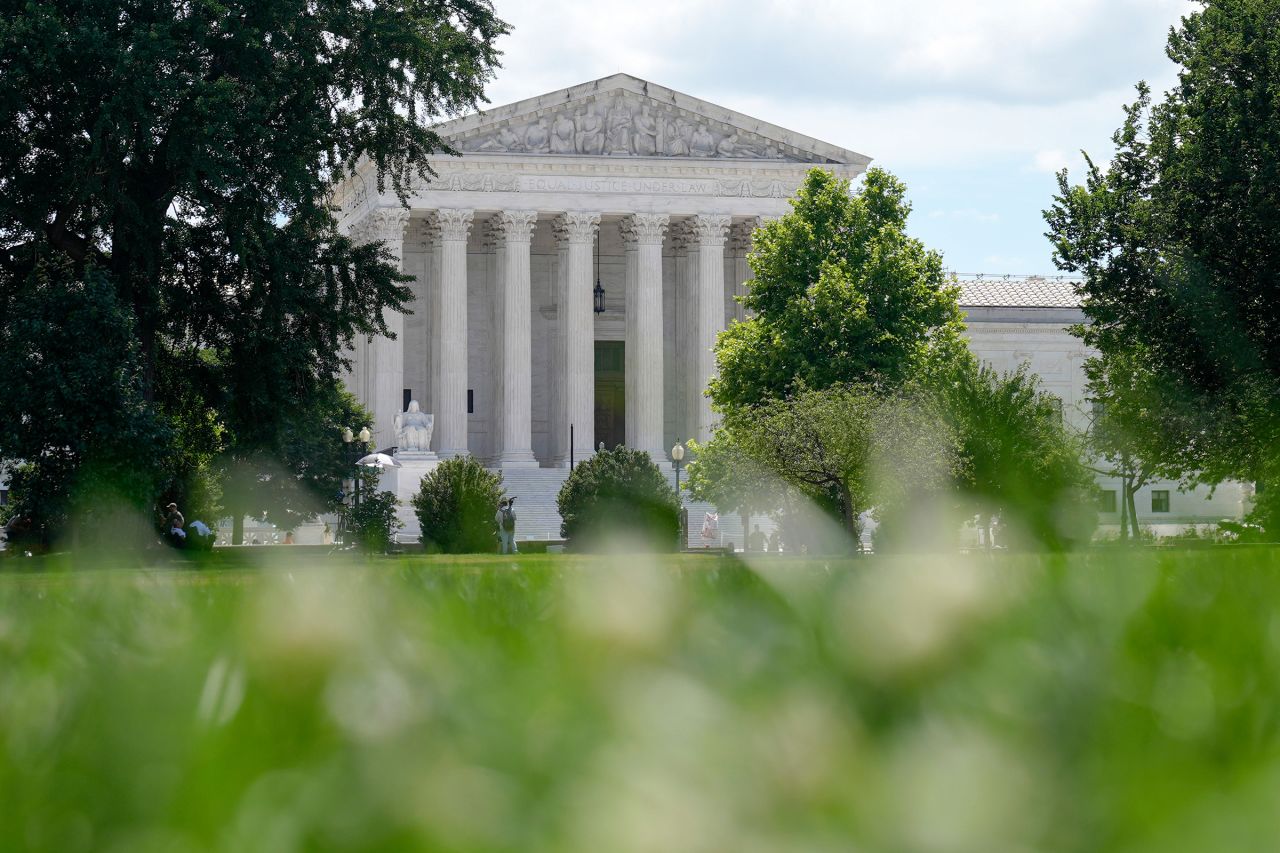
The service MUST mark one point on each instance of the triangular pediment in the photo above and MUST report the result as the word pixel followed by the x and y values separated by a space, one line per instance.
pixel 624 116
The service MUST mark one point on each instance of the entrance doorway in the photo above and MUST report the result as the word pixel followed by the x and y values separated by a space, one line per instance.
pixel 611 393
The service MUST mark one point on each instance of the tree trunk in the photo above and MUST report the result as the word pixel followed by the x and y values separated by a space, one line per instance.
pixel 237 526
pixel 745 515
pixel 1124 509
pixel 1133 514
pixel 847 516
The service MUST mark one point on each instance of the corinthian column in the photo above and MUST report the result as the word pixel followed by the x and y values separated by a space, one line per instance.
pixel 450 365
pixel 740 236
pixel 575 340
pixel 515 230
pixel 384 361
pixel 708 235
pixel 643 234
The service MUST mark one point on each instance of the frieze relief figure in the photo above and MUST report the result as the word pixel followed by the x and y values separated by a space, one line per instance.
pixel 678 140
pixel 590 132
pixel 618 129
pixel 703 144
pixel 537 139
pixel 646 133
pixel 625 129
pixel 563 132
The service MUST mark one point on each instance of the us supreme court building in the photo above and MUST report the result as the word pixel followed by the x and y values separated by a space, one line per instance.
pixel 572 268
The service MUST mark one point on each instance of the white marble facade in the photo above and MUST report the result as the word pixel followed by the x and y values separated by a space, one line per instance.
pixel 654 194
pixel 650 192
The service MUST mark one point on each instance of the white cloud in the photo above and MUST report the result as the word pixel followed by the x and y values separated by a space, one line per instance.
pixel 989 95
pixel 1051 160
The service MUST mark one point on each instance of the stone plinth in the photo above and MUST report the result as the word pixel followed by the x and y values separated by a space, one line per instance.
pixel 405 482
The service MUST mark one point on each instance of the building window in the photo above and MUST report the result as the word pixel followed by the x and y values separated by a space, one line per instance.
pixel 1160 500
pixel 1107 500
pixel 4 497
pixel 471 401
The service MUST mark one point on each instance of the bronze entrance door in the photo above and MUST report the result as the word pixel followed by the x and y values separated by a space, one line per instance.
pixel 611 393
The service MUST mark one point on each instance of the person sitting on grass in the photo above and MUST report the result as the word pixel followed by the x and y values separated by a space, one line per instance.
pixel 174 524
pixel 201 535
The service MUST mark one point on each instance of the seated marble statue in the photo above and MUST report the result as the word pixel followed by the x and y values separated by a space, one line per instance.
pixel 413 430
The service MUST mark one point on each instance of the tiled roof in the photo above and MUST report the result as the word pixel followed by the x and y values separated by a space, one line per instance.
pixel 998 291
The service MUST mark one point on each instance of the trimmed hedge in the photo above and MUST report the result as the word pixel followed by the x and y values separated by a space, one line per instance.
pixel 619 493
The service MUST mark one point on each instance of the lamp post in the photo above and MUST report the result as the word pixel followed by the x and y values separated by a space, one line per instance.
pixel 677 456
pixel 354 454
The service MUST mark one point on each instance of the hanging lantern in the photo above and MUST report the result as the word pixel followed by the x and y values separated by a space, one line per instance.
pixel 598 292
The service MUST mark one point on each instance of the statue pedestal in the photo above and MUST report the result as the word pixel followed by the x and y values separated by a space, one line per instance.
pixel 405 482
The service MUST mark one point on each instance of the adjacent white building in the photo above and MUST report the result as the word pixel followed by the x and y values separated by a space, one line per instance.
pixel 632 198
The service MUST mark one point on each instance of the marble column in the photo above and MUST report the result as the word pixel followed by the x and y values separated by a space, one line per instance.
pixel 449 380
pixel 740 247
pixel 709 234
pixel 384 356
pixel 430 395
pixel 685 319
pixel 515 230
pixel 642 234
pixel 575 339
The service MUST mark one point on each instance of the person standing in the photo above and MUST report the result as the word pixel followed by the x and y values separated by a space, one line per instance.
pixel 711 528
pixel 506 519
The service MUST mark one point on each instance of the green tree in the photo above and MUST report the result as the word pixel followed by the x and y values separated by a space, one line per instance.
pixel 1136 421
pixel 841 295
pixel 375 522
pixel 1016 455
pixel 619 493
pixel 723 473
pixel 297 472
pixel 1178 239
pixel 181 156
pixel 456 507
pixel 852 447
pixel 72 404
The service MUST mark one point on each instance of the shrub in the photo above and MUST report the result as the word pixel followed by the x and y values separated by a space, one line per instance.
pixel 456 506
pixel 619 492
pixel 374 521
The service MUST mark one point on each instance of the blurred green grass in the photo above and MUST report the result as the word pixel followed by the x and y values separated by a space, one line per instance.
pixel 266 701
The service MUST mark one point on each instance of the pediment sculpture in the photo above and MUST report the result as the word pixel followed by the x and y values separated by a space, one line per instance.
pixel 626 126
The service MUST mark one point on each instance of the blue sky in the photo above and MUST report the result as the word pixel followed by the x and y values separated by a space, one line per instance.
pixel 973 104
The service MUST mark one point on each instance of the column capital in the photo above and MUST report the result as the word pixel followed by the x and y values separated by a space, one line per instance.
pixel 576 227
pixel 454 222
pixel 710 229
pixel 514 226
pixel 740 233
pixel 385 224
pixel 682 236
pixel 644 229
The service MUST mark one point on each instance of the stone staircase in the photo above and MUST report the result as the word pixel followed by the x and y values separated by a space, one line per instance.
pixel 537 518
pixel 535 491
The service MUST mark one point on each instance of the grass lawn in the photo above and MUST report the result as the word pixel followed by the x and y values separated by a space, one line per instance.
pixel 269 700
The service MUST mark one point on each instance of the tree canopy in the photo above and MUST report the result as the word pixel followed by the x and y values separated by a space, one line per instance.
pixel 170 165
pixel 1015 455
pixel 1178 239
pixel 618 495
pixel 841 295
